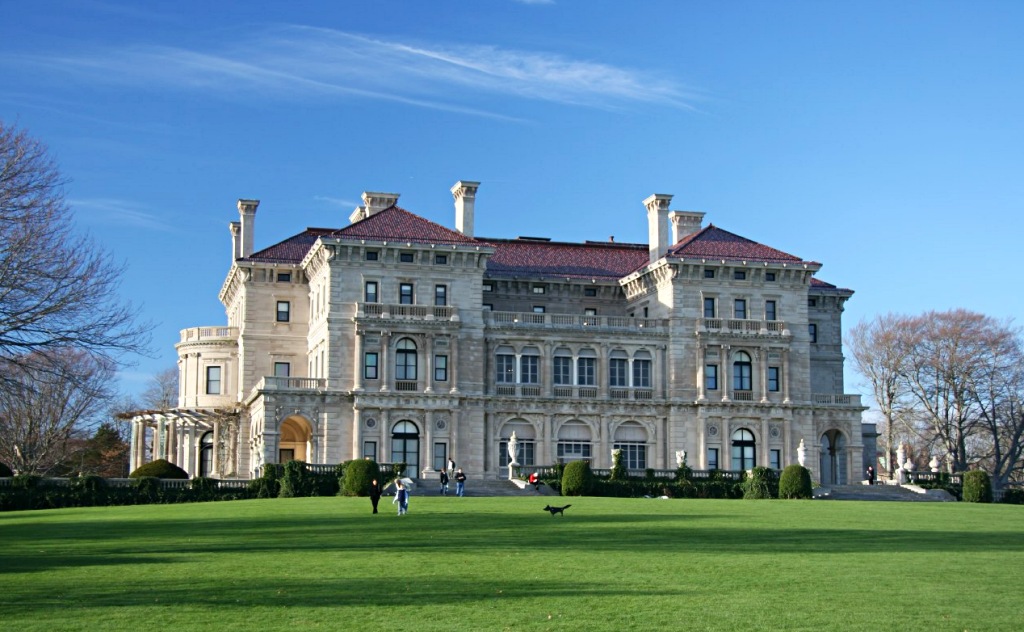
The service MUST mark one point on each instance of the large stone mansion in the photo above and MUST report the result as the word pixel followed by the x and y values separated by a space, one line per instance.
pixel 401 340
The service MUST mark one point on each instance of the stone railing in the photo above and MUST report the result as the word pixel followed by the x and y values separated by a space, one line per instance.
pixel 740 326
pixel 200 334
pixel 273 383
pixel 532 320
pixel 835 399
pixel 405 312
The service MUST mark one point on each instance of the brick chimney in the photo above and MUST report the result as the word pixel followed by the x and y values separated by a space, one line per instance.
pixel 684 223
pixel 464 193
pixel 247 209
pixel 657 224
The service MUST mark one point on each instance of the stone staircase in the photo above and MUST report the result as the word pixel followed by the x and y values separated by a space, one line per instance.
pixel 898 493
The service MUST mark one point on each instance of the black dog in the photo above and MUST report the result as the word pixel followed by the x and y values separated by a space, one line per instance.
pixel 556 510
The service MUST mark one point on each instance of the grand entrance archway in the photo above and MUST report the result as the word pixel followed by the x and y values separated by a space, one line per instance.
pixel 294 441
pixel 405 447
pixel 833 458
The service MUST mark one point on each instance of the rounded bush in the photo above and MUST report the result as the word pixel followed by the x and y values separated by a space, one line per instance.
pixel 760 483
pixel 268 484
pixel 5 471
pixel 161 468
pixel 618 472
pixel 977 487
pixel 576 478
pixel 295 480
pixel 357 478
pixel 1013 496
pixel 795 482
pixel 203 488
pixel 148 488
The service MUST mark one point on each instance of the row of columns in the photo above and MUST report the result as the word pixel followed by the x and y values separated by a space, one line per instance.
pixel 171 438
pixel 725 377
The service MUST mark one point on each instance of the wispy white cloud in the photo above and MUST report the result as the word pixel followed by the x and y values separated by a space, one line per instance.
pixel 297 62
pixel 339 202
pixel 114 211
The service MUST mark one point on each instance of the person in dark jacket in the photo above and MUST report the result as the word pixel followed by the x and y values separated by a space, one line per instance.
pixel 375 492
pixel 444 483
pixel 460 482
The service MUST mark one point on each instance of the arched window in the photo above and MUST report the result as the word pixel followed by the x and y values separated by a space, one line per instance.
pixel 631 438
pixel 525 442
pixel 405 447
pixel 206 454
pixel 741 372
pixel 573 442
pixel 743 449
pixel 405 360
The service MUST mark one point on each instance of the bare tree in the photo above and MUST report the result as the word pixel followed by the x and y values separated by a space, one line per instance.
pixel 44 401
pixel 58 289
pixel 162 392
pixel 880 348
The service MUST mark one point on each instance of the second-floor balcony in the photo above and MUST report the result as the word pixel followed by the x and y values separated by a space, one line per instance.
pixel 406 312
pixel 209 334
pixel 581 322
pixel 743 327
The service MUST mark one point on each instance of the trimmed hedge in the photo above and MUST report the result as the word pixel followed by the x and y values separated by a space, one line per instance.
pixel 1013 496
pixel 977 487
pixel 795 482
pixel 576 479
pixel 761 483
pixel 357 477
pixel 160 468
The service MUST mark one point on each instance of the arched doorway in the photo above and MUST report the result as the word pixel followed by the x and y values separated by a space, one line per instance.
pixel 294 439
pixel 833 458
pixel 743 450
pixel 206 454
pixel 405 447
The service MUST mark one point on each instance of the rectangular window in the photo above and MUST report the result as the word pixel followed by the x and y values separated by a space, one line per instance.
pixel 372 255
pixel 440 455
pixel 590 311
pixel 213 380
pixel 617 375
pixel 506 367
pixel 712 458
pixel 488 307
pixel 538 309
pixel 284 277
pixel 711 377
pixel 739 275
pixel 284 311
pixel 775 459
pixel 573 451
pixel 370 366
pixel 405 257
pixel 488 287
pixel 405 294
pixel 529 369
pixel 642 373
pixel 769 310
pixel 769 276
pixel 586 372
pixel 739 308
pixel 370 450
pixel 812 302
pixel 524 453
pixel 634 455
pixel 562 371
pixel 440 368
pixel 773 379
pixel 709 273
pixel 539 289
pixel 440 295
pixel 590 291
pixel 282 369
pixel 370 294
pixel 441 260
pixel 812 329
pixel 709 308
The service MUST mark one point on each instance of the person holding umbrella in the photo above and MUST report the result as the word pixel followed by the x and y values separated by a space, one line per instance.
pixel 401 498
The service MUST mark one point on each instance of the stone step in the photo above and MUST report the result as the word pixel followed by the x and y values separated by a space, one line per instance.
pixel 481 488
pixel 896 493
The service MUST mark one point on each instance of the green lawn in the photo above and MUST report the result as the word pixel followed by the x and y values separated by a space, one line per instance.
pixel 504 564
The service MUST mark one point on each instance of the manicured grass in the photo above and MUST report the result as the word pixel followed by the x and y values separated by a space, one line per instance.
pixel 505 564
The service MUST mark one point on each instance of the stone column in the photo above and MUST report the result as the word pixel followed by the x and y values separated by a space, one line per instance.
pixel 762 358
pixel 385 375
pixel 785 376
pixel 357 434
pixel 385 436
pixel 453 362
pixel 601 370
pixel 428 450
pixel 428 349
pixel 724 370
pixel 546 369
pixel 359 361
pixel 701 378
pixel 215 465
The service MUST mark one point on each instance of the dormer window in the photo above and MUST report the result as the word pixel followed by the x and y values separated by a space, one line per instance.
pixel 284 277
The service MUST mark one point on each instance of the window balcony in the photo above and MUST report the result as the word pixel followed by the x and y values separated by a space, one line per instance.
pixel 209 334
pixel 742 327
pixel 387 311
pixel 518 390
pixel 576 392
pixel 634 394
pixel 835 399
pixel 579 322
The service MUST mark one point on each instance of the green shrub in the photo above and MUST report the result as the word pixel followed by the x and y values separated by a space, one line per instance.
pixel 294 481
pixel 268 485
pixel 5 471
pixel 760 483
pixel 618 472
pixel 358 475
pixel 160 468
pixel 26 481
pixel 1013 496
pixel 88 491
pixel 977 487
pixel 203 488
pixel 147 488
pixel 576 479
pixel 795 482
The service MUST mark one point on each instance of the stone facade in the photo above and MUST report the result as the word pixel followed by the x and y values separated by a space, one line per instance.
pixel 401 340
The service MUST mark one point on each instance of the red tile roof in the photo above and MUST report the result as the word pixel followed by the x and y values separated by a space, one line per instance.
pixel 519 257
pixel 396 223
pixel 291 250
pixel 715 243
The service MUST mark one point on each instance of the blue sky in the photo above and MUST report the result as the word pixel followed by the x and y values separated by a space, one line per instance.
pixel 883 139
